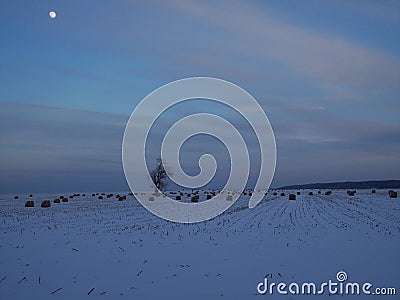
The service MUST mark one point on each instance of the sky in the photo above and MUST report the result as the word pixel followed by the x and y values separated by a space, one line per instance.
pixel 327 75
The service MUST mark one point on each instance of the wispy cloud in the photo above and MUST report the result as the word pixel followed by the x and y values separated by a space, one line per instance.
pixel 330 59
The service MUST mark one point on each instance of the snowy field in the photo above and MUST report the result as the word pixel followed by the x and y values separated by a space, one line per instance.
pixel 110 249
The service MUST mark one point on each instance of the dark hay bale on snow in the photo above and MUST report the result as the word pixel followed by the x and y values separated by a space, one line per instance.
pixel 390 191
pixel 56 200
pixel 16 197
pixel 29 204
pixel 30 196
pixel 45 203
pixel 282 194
pixel 121 198
pixel 250 194
pixel 298 193
pixel 328 193
pixel 350 193
pixel 319 192
pixel 373 191
pixel 70 197
pixel 310 193
pixel 209 197
pixel 393 194
pixel 93 194
pixel 178 197
pixel 292 197
pixel 194 199
pixel 61 197
pixel 64 200
pixel 100 197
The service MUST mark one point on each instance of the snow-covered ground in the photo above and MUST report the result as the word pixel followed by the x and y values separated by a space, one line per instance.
pixel 110 249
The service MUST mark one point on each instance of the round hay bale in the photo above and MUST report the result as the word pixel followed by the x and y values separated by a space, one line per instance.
pixel 61 197
pixel 292 197
pixel 64 200
pixel 70 197
pixel 310 193
pixel 373 191
pixel 178 197
pixel 30 196
pixel 29 204
pixel 209 197
pixel 16 197
pixel 194 199
pixel 350 193
pixel 151 198
pixel 93 194
pixel 121 198
pixel 275 194
pixel 328 193
pixel 393 194
pixel 56 200
pixel 100 197
pixel 319 192
pixel 298 193
pixel 250 194
pixel 282 194
pixel 390 191
pixel 45 203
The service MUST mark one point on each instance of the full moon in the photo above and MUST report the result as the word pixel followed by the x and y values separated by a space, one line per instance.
pixel 52 14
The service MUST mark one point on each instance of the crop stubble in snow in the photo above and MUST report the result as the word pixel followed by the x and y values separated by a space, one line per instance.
pixel 107 248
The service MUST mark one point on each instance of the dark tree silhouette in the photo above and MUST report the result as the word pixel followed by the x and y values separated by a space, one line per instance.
pixel 159 175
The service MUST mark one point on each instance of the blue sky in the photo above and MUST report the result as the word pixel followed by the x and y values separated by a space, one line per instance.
pixel 327 75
